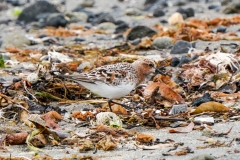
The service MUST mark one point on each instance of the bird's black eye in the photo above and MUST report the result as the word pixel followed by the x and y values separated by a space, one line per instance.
pixel 151 65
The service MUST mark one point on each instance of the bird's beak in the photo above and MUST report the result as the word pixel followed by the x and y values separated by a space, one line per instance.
pixel 159 71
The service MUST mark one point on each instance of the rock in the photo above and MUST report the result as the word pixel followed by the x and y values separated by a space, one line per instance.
pixel 162 42
pixel 132 12
pixel 205 98
pixel 56 20
pixel 121 27
pixel 221 29
pixel 175 18
pixel 184 59
pixel 140 32
pixel 103 17
pixel 175 61
pixel 79 39
pixel 213 6
pixel 29 13
pixel 189 12
pixel 107 26
pixel 77 16
pixel 180 47
pixel 15 39
pixel 136 42
pixel 203 157
pixel 158 12
pixel 88 3
pixel 150 2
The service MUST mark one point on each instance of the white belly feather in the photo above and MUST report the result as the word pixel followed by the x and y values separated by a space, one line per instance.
pixel 109 91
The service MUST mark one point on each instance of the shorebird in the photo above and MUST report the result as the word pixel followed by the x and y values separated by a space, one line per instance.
pixel 116 80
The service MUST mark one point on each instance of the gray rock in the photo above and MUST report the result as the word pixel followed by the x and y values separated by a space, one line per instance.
pixel 107 26
pixel 132 12
pixel 162 42
pixel 180 47
pixel 140 32
pixel 88 3
pixel 15 39
pixel 77 16
pixel 29 13
pixel 203 157
pixel 56 20
pixel 158 12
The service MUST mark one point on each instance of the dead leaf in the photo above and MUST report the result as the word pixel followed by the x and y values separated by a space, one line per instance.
pixel 16 138
pixel 144 138
pixel 165 91
pixel 86 145
pixel 107 143
pixel 51 118
pixel 84 116
pixel 186 129
pixel 119 109
pixel 38 140
pixel 210 107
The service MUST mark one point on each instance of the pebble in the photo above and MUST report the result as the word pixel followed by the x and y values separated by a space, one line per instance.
pixel 140 32
pixel 107 26
pixel 56 20
pixel 136 41
pixel 205 98
pixel 221 29
pixel 162 42
pixel 77 16
pixel 88 3
pixel 185 59
pixel 175 18
pixel 121 27
pixel 132 12
pixel 103 17
pixel 175 61
pixel 158 12
pixel 181 47
pixel 30 13
pixel 15 39
pixel 83 65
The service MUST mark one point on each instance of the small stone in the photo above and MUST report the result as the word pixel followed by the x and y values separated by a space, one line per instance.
pixel 56 20
pixel 190 12
pixel 221 29
pixel 6 57
pixel 121 27
pixel 77 16
pixel 213 6
pixel 162 42
pixel 15 39
pixel 107 26
pixel 203 157
pixel 103 17
pixel 158 12
pixel 88 3
pixel 16 80
pixel 180 47
pixel 140 32
pixel 185 59
pixel 79 39
pixel 132 12
pixel 175 18
pixel 136 42
pixel 30 13
pixel 175 61
pixel 205 98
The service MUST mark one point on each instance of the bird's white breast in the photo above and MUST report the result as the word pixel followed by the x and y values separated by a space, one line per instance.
pixel 109 91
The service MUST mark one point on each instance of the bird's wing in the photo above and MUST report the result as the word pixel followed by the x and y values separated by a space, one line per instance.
pixel 108 74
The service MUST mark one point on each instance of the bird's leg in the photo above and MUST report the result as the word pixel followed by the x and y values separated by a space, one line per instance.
pixel 123 105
